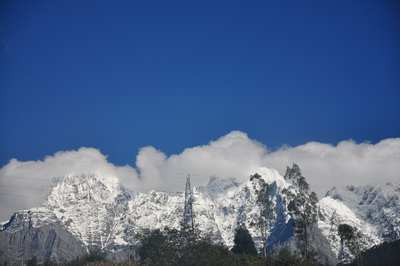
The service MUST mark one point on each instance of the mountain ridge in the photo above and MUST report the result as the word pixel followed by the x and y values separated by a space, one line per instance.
pixel 100 213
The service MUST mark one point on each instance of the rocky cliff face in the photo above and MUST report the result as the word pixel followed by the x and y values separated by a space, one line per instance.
pixel 37 233
pixel 86 212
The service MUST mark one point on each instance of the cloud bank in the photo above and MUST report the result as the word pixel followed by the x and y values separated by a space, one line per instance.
pixel 26 184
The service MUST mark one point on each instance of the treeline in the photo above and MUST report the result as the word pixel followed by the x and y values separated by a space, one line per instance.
pixel 171 247
pixel 188 248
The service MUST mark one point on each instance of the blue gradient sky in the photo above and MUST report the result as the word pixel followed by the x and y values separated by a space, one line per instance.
pixel 121 75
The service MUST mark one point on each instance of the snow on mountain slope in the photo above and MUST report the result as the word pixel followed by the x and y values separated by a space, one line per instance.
pixel 378 205
pixel 157 210
pixel 373 210
pixel 237 204
pixel 219 207
pixel 100 213
pixel 332 213
pixel 92 208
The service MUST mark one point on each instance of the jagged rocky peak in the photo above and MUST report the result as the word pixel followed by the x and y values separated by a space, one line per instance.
pixel 218 187
pixel 84 188
pixel 365 199
pixel 367 195
pixel 292 172
pixel 92 207
pixel 270 176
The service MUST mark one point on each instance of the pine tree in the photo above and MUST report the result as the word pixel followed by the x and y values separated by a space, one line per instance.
pixel 243 243
pixel 346 234
pixel 265 203
pixel 302 206
pixel 333 221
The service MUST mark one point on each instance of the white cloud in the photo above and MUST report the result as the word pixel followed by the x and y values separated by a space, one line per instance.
pixel 25 184
pixel 348 162
pixel 232 155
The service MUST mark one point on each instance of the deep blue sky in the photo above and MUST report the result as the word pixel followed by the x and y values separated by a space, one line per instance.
pixel 118 75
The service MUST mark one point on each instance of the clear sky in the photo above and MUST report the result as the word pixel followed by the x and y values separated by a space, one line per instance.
pixel 119 75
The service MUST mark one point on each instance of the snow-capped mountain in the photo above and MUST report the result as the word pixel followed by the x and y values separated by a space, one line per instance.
pixel 97 212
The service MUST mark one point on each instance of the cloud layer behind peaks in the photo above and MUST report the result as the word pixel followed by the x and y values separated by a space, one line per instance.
pixel 26 184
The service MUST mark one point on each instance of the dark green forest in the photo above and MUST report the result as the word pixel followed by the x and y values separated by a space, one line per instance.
pixel 387 254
